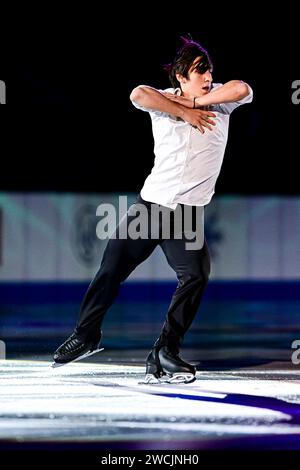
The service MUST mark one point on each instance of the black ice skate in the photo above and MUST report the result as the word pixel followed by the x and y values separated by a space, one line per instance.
pixel 76 348
pixel 165 366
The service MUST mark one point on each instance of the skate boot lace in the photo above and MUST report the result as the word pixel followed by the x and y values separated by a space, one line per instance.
pixel 71 344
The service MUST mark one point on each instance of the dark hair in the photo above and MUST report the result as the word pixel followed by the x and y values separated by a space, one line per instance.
pixel 184 59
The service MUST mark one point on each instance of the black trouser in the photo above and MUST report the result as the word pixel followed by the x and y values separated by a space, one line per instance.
pixel 122 256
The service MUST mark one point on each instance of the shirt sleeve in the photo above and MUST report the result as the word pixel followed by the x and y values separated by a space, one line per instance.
pixel 227 108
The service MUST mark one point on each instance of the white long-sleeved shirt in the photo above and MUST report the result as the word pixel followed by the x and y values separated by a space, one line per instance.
pixel 187 163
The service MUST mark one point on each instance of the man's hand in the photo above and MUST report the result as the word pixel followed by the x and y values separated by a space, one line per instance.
pixel 198 118
pixel 153 99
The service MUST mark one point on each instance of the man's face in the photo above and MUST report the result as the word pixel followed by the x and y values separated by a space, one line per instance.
pixel 197 83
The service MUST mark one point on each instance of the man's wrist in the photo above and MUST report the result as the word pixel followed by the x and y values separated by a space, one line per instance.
pixel 202 101
pixel 198 102
pixel 182 111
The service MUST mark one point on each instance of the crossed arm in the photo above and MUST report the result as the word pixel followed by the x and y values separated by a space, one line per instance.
pixel 182 107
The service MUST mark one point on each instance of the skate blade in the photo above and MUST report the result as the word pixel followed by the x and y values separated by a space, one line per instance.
pixel 150 379
pixel 54 365
pixel 181 379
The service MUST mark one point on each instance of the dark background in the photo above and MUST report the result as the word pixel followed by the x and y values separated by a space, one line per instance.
pixel 69 125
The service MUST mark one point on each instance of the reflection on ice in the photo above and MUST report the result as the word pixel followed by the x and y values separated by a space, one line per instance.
pixel 104 402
